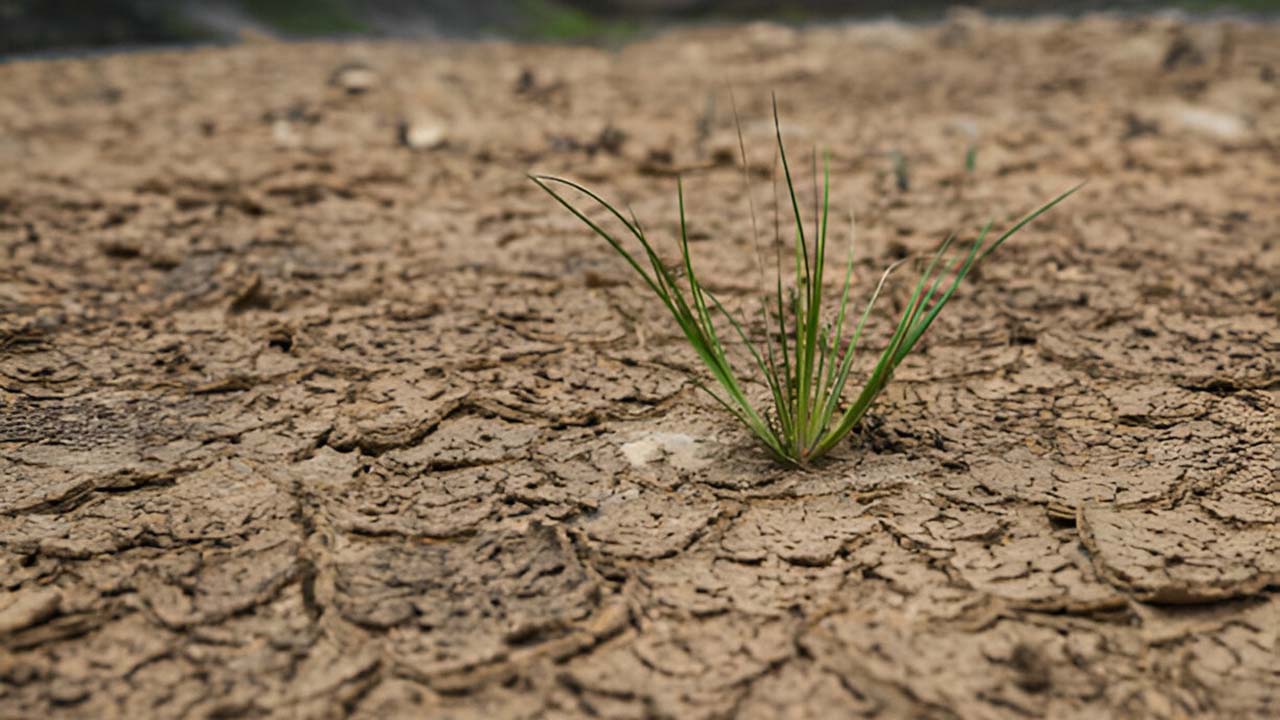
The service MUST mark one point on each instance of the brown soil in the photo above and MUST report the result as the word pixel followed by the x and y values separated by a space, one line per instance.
pixel 298 420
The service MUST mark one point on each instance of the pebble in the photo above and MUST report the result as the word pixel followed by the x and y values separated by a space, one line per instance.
pixel 422 135
pixel 1220 125
pixel 354 78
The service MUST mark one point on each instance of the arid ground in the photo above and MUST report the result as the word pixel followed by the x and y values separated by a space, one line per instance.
pixel 312 405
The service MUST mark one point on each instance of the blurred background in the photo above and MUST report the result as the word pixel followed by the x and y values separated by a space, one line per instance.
pixel 39 26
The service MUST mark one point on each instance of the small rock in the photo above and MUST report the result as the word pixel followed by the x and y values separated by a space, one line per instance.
pixel 422 135
pixel 284 135
pixel 681 451
pixel 62 692
pixel 354 78
pixel 1220 125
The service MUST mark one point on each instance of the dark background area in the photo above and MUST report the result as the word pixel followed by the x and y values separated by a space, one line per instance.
pixel 28 26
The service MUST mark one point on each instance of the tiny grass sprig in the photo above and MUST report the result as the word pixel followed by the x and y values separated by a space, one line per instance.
pixel 805 362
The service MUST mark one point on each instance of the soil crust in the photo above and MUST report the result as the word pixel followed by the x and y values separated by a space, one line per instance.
pixel 312 405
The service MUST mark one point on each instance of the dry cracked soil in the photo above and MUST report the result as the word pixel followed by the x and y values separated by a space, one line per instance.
pixel 312 406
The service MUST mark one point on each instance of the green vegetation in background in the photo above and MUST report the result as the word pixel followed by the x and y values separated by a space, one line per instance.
pixel 306 17
pixel 1258 6
pixel 550 21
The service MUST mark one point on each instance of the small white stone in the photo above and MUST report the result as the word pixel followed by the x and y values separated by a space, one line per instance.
pixel 354 78
pixel 1220 125
pixel 423 135
pixel 681 451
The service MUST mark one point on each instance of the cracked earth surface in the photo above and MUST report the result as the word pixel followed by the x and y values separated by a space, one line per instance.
pixel 311 405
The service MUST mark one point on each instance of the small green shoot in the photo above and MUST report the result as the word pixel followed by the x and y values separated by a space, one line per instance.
pixel 804 360
pixel 901 173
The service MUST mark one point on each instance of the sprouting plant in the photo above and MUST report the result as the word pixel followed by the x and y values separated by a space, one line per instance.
pixel 805 362
pixel 901 172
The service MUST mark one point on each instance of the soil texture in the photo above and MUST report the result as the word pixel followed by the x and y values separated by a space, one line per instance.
pixel 313 406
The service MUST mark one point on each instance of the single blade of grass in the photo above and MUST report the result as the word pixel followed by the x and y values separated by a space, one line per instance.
pixel 694 322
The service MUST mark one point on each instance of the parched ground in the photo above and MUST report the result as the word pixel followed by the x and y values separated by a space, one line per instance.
pixel 311 405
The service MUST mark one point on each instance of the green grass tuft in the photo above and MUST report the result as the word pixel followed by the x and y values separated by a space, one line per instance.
pixel 803 360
